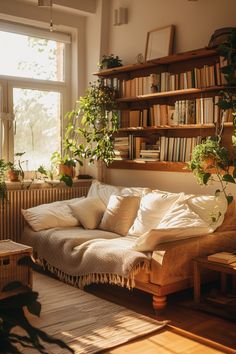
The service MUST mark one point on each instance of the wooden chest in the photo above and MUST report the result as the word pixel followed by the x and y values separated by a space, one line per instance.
pixel 10 270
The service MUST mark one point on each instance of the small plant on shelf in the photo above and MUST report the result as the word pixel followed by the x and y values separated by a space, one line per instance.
pixel 210 162
pixel 109 61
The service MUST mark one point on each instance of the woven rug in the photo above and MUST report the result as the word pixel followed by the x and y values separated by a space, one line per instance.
pixel 87 323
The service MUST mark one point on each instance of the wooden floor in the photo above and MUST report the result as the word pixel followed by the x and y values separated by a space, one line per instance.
pixel 189 332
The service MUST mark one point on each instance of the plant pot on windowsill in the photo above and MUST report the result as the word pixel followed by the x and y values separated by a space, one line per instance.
pixel 66 170
pixel 13 176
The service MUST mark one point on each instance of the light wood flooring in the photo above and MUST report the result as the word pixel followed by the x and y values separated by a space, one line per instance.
pixel 189 331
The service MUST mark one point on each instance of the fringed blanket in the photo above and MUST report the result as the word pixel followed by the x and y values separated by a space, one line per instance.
pixel 78 258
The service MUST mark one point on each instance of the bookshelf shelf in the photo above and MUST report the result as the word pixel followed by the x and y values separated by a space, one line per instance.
pixel 176 58
pixel 171 127
pixel 166 125
pixel 185 92
pixel 150 165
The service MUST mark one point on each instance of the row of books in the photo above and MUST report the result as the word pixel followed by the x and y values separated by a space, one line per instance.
pixel 206 76
pixel 176 149
pixel 199 111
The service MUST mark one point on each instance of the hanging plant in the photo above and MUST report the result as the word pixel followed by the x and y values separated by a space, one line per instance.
pixel 210 162
pixel 95 120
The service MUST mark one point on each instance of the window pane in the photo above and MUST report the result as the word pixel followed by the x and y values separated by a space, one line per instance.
pixel 38 127
pixel 31 57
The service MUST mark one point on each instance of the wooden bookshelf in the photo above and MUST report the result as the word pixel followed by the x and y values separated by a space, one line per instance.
pixel 175 93
pixel 143 112
pixel 165 166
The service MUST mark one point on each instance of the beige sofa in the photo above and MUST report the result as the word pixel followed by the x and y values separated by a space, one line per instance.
pixel 150 261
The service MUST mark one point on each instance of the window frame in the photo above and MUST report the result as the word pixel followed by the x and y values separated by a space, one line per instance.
pixel 9 82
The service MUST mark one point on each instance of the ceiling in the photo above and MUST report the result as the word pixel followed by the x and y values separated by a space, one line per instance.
pixel 71 6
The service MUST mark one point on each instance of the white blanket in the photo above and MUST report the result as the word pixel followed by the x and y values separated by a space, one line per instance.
pixel 75 257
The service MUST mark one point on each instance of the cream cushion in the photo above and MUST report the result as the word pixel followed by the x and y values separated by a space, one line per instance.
pixel 182 221
pixel 153 206
pixel 120 214
pixel 51 215
pixel 88 211
pixel 210 208
pixel 139 191
pixel 103 191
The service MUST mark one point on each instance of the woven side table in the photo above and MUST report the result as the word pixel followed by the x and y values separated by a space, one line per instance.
pixel 10 271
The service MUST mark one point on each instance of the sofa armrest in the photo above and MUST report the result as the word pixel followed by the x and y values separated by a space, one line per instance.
pixel 172 261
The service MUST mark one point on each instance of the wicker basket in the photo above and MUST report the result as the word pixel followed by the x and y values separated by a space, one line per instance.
pixel 10 253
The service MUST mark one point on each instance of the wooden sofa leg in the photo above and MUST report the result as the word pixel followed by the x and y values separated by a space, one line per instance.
pixel 159 303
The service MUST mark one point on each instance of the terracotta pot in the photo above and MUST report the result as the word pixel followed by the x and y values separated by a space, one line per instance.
pixel 13 176
pixel 67 170
pixel 208 163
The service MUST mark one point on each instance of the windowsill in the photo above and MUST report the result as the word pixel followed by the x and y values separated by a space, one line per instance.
pixel 39 184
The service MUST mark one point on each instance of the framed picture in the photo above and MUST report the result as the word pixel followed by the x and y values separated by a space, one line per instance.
pixel 159 42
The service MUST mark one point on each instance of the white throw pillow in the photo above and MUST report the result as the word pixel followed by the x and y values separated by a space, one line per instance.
pixel 152 208
pixel 139 191
pixel 191 216
pixel 120 214
pixel 103 191
pixel 51 215
pixel 88 211
pixel 210 208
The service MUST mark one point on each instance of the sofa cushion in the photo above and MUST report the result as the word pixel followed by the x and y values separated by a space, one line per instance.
pixel 120 214
pixel 153 206
pixel 189 217
pixel 211 209
pixel 139 191
pixel 103 191
pixel 51 215
pixel 88 211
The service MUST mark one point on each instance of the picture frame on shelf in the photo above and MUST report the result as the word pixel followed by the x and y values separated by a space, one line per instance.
pixel 159 42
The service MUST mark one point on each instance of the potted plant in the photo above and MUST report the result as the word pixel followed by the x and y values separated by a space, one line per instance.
pixel 3 186
pixel 109 61
pixel 66 167
pixel 95 120
pixel 210 162
pixel 15 170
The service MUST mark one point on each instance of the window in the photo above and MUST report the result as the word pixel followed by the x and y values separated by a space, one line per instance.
pixel 33 83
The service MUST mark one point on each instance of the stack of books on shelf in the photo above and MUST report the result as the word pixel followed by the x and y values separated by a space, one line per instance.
pixel 121 148
pixel 223 257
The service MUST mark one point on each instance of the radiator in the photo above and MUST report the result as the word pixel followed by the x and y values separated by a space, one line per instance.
pixel 12 222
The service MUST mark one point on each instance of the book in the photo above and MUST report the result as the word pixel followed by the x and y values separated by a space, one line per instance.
pixel 223 257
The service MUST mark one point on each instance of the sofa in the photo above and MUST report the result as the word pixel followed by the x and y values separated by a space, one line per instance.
pixel 133 237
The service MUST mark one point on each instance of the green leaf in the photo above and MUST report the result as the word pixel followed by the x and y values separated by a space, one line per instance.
pixel 67 180
pixel 229 198
pixel 206 177
pixel 228 178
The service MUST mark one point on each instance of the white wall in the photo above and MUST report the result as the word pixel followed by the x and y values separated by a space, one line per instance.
pixel 194 22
